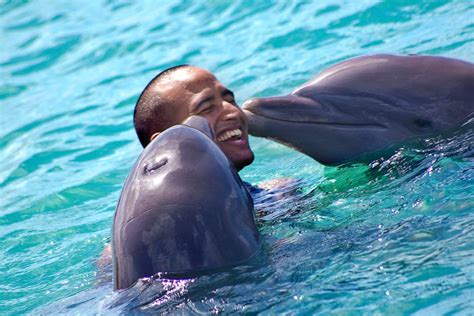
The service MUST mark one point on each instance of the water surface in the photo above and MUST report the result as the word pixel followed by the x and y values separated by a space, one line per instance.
pixel 393 237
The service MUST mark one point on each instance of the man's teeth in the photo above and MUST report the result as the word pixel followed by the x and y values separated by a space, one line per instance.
pixel 229 134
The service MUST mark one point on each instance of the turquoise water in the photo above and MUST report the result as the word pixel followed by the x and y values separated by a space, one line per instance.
pixel 395 237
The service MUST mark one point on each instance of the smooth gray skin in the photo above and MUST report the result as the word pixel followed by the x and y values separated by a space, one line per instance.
pixel 354 109
pixel 183 208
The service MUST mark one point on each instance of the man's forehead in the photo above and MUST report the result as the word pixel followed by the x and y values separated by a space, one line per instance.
pixel 189 78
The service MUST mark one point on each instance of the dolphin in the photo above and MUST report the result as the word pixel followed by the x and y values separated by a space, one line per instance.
pixel 183 209
pixel 355 109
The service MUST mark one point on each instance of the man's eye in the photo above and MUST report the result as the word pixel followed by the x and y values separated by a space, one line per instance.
pixel 206 109
pixel 230 100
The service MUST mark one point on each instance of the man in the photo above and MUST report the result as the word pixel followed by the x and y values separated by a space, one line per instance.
pixel 179 92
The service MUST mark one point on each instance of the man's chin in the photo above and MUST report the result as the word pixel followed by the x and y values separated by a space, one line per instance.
pixel 243 160
pixel 238 152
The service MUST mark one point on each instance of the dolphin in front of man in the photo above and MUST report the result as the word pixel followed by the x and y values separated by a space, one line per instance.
pixel 183 209
pixel 353 110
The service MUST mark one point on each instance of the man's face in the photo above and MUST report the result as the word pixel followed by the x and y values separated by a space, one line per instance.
pixel 194 91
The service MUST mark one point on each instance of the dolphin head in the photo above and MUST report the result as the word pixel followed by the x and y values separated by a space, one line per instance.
pixel 323 129
pixel 183 209
pixel 356 108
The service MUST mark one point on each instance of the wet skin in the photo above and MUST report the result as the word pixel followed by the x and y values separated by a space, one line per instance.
pixel 354 110
pixel 195 91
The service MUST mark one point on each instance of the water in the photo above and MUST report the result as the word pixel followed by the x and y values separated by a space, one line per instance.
pixel 393 237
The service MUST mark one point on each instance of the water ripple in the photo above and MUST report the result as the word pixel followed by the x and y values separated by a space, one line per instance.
pixel 392 237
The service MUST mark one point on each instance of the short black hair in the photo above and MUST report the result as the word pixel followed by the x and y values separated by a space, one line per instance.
pixel 150 115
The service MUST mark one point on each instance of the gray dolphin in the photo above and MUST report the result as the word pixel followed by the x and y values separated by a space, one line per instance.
pixel 183 208
pixel 352 110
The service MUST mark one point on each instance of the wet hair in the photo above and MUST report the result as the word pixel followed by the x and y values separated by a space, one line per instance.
pixel 151 115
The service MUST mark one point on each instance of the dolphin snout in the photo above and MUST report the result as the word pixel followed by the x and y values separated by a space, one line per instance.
pixel 249 108
pixel 250 105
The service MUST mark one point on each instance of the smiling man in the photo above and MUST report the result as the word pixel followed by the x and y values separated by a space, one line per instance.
pixel 182 91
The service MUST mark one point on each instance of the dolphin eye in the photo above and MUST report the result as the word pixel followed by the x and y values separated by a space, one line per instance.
pixel 422 123
pixel 152 167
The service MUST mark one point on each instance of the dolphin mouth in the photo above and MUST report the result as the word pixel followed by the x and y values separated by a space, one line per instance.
pixel 252 115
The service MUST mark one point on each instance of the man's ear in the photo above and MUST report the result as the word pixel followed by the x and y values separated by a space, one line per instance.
pixel 154 136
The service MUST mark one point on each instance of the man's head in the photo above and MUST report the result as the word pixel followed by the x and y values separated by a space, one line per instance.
pixel 182 91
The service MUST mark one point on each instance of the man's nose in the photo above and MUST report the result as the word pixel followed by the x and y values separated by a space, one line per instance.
pixel 229 111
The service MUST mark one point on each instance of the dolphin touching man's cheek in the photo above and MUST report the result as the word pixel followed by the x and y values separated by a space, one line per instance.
pixel 354 109
pixel 183 209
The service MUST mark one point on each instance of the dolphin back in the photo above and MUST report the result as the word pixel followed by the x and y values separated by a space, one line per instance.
pixel 183 209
